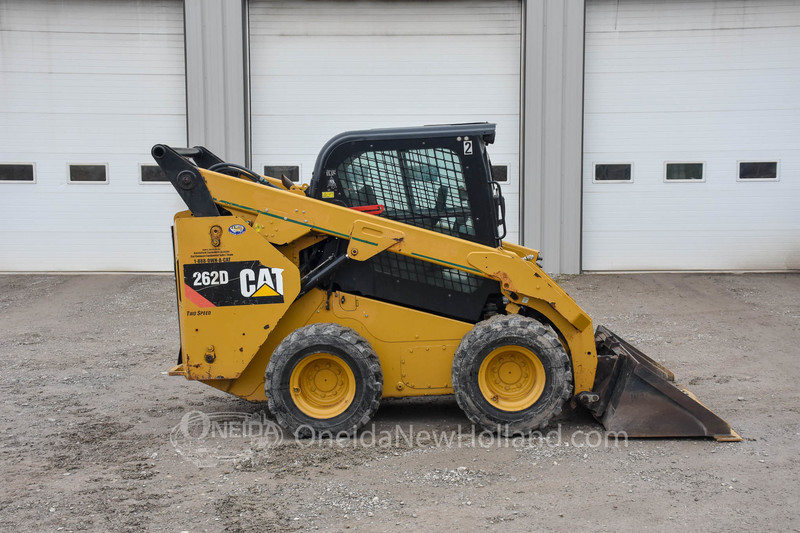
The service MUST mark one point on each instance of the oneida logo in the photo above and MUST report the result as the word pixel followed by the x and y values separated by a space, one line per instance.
pixel 265 282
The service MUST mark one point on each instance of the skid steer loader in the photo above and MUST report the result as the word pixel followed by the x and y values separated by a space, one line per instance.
pixel 387 276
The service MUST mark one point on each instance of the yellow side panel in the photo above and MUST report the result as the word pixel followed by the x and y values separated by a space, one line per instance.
pixel 415 348
pixel 233 288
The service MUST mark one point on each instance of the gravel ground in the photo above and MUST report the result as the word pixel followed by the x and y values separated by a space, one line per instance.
pixel 95 436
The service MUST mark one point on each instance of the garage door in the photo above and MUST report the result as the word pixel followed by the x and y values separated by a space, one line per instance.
pixel 87 88
pixel 320 68
pixel 692 121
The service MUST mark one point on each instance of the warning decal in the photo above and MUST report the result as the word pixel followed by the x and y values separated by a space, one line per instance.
pixel 235 283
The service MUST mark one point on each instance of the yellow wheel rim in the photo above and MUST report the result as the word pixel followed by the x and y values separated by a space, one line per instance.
pixel 511 378
pixel 322 385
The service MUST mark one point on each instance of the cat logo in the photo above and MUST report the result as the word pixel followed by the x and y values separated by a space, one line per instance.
pixel 262 283
pixel 233 283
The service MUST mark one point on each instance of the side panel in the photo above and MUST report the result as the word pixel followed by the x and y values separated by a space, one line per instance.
pixel 415 349
pixel 233 288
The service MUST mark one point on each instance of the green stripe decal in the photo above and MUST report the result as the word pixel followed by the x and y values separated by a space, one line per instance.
pixel 254 210
pixel 462 267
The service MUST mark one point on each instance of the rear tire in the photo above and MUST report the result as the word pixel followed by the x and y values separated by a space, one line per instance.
pixel 323 380
pixel 511 375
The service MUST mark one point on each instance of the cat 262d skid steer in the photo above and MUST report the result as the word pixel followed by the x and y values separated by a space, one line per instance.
pixel 387 276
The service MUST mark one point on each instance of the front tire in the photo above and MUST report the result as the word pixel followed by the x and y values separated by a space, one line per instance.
pixel 511 375
pixel 323 380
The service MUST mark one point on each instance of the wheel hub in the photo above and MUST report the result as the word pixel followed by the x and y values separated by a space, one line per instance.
pixel 511 378
pixel 322 385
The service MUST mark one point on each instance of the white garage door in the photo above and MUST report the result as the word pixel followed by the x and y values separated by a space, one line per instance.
pixel 692 122
pixel 320 68
pixel 87 88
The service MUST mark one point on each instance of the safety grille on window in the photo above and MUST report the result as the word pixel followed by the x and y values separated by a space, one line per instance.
pixel 410 269
pixel 424 187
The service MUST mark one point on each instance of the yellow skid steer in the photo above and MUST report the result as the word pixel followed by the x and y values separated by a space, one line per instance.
pixel 388 276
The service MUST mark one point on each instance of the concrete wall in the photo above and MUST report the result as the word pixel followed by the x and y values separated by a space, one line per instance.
pixel 217 77
pixel 552 131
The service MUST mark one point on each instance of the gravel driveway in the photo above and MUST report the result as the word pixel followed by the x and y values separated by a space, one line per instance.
pixel 95 436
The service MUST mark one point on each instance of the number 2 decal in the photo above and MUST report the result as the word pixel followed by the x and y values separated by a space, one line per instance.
pixel 467 147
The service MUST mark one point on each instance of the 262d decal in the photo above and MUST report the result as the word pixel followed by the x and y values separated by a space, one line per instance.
pixel 234 283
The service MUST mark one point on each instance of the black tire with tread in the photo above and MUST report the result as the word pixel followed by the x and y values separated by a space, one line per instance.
pixel 349 346
pixel 517 330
